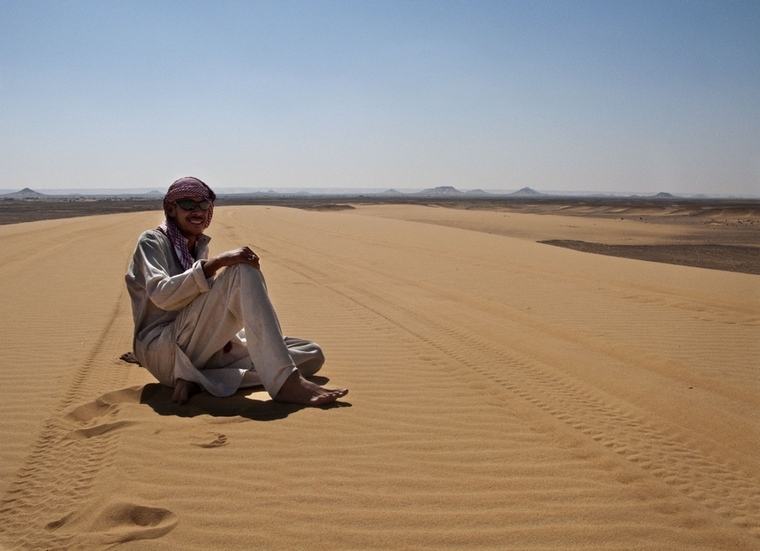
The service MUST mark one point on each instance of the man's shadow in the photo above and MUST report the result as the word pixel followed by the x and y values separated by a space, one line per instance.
pixel 241 404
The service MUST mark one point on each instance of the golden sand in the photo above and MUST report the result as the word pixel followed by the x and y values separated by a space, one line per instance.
pixel 504 394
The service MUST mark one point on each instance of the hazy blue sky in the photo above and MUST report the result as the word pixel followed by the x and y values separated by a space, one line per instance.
pixel 642 96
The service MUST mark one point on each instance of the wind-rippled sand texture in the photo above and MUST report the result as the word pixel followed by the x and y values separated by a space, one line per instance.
pixel 504 395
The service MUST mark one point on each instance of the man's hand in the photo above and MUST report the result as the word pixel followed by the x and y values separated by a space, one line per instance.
pixel 244 255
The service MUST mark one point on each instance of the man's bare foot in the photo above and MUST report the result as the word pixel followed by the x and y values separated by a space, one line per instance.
pixel 297 390
pixel 130 357
pixel 184 390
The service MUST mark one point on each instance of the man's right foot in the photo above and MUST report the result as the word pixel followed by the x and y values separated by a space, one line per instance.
pixel 184 390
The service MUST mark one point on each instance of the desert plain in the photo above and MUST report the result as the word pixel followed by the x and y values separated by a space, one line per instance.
pixel 510 388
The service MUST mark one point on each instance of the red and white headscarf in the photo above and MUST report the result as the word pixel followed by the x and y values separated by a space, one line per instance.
pixel 184 188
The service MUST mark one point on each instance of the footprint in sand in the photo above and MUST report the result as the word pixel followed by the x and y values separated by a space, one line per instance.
pixel 213 440
pixel 96 418
pixel 122 522
pixel 127 522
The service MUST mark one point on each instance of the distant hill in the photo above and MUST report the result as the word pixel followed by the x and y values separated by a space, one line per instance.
pixel 450 191
pixel 440 191
pixel 526 192
pixel 25 193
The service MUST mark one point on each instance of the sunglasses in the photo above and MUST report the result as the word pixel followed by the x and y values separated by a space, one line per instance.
pixel 189 204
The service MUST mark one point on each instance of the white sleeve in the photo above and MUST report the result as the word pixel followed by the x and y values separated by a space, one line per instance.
pixel 168 292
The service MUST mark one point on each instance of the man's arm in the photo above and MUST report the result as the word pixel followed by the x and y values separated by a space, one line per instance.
pixel 166 286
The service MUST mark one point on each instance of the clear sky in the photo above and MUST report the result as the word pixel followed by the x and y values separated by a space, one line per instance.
pixel 609 95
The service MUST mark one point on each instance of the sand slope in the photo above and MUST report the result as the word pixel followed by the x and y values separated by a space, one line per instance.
pixel 504 395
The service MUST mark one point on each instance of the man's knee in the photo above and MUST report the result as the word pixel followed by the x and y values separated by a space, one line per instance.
pixel 242 274
pixel 242 268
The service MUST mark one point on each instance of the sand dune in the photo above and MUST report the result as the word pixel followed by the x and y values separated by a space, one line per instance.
pixel 504 394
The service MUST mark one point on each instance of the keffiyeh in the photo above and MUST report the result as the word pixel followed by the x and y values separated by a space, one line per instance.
pixel 184 188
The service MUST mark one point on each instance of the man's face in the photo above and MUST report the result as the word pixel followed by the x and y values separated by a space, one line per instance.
pixel 190 222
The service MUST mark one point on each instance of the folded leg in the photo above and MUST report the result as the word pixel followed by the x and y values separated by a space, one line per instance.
pixel 238 298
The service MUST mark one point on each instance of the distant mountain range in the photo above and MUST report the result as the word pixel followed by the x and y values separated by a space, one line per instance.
pixel 440 192
pixel 450 191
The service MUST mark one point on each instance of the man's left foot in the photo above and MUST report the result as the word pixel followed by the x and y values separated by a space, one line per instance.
pixel 297 390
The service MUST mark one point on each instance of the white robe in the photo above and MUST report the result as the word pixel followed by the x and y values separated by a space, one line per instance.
pixel 221 333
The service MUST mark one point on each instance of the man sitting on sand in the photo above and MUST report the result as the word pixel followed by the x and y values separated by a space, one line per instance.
pixel 195 330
